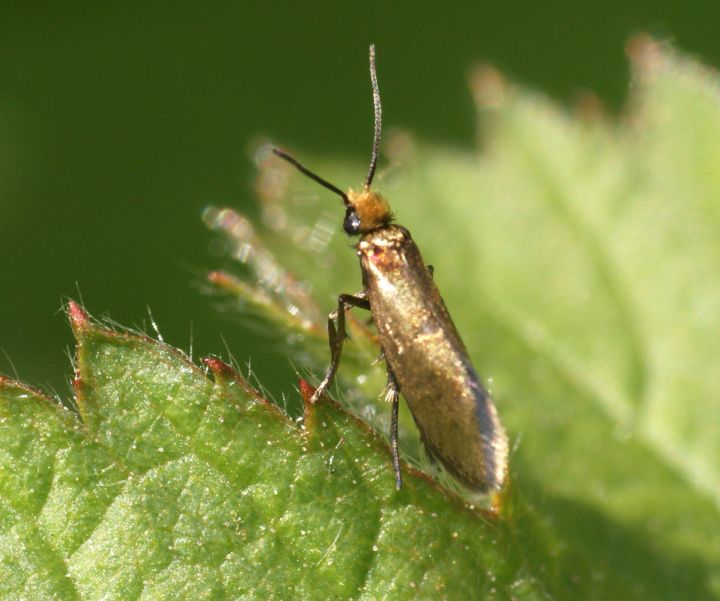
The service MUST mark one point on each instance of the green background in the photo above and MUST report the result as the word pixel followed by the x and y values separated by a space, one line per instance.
pixel 119 123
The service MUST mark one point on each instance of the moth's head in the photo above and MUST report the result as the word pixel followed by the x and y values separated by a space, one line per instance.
pixel 365 210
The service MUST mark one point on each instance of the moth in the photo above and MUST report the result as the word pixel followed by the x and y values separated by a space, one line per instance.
pixel 426 359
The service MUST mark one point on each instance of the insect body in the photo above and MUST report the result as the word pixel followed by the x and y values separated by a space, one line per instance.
pixel 426 359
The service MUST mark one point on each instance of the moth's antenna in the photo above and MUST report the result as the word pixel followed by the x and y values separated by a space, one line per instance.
pixel 305 171
pixel 378 118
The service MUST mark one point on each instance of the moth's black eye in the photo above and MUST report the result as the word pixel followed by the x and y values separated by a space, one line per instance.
pixel 351 225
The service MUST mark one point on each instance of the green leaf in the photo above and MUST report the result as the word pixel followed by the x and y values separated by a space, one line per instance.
pixel 171 485
pixel 579 259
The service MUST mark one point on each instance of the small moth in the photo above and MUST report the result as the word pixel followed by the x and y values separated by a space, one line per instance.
pixel 426 359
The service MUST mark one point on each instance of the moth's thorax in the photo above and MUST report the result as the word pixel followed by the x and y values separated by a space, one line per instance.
pixel 383 238
pixel 382 244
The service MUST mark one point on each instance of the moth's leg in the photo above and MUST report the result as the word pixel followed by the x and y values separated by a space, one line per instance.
pixel 431 269
pixel 337 335
pixel 393 395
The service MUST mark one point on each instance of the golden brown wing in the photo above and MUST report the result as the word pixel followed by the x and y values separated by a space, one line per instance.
pixel 453 411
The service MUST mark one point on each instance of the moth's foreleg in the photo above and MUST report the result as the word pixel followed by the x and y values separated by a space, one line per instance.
pixel 337 335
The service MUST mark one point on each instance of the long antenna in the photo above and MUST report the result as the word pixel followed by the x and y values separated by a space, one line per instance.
pixel 378 118
pixel 304 170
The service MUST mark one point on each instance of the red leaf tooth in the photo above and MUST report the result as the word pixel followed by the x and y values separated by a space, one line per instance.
pixel 306 390
pixel 220 368
pixel 226 374
pixel 79 319
pixel 644 52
